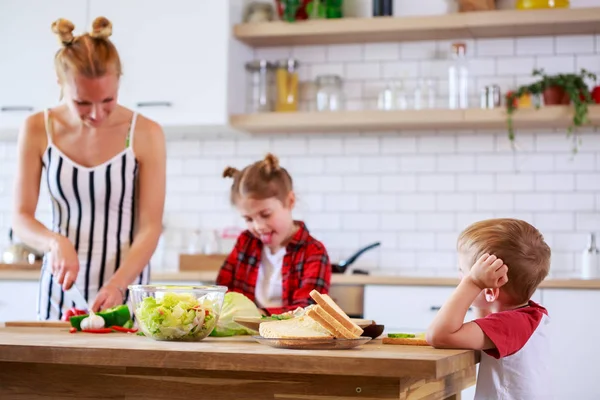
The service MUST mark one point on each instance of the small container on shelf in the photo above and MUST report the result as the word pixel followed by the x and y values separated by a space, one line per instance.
pixel 541 4
pixel 287 86
pixel 330 95
pixel 260 81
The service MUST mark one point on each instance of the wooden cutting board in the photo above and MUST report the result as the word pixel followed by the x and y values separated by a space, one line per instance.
pixel 38 324
pixel 20 267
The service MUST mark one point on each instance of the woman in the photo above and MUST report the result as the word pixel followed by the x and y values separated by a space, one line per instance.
pixel 104 166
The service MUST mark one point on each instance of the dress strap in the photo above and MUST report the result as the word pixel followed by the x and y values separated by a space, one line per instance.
pixel 129 139
pixel 48 124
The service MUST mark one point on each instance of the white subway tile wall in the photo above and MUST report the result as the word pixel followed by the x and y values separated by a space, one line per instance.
pixel 412 191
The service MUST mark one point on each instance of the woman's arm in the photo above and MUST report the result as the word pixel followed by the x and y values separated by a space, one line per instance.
pixel 27 186
pixel 30 148
pixel 151 155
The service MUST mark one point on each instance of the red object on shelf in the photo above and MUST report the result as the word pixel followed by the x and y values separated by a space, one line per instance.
pixel 596 94
pixel 301 13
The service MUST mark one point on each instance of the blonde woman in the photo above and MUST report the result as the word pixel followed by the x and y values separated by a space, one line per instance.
pixel 104 166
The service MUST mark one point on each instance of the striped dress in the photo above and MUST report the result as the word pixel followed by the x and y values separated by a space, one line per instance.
pixel 95 209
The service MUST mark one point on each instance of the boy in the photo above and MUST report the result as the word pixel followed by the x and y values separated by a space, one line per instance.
pixel 502 262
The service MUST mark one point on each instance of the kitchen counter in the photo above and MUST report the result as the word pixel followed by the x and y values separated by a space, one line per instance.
pixel 51 362
pixel 336 279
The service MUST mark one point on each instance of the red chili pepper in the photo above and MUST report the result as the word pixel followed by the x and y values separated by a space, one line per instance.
pixel 72 329
pixel 71 312
pixel 101 330
pixel 123 329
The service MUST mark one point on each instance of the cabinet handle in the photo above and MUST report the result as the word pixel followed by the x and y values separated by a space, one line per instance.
pixel 154 104
pixel 16 108
pixel 437 308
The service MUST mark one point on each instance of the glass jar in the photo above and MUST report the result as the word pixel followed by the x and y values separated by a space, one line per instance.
pixel 330 96
pixel 539 4
pixel 259 93
pixel 287 86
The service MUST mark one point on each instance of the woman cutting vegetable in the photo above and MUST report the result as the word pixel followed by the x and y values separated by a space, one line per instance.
pixel 276 262
pixel 104 167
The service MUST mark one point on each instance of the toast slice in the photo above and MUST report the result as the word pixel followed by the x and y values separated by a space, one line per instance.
pixel 329 306
pixel 328 322
pixel 302 327
pixel 405 341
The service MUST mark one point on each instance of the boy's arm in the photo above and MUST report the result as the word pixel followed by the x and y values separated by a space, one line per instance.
pixel 448 329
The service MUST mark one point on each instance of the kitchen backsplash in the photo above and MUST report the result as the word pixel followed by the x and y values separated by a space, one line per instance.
pixel 413 191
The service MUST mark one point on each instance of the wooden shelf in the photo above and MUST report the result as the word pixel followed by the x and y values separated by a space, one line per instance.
pixel 411 120
pixel 483 24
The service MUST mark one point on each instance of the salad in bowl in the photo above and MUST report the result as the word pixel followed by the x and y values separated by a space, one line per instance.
pixel 178 313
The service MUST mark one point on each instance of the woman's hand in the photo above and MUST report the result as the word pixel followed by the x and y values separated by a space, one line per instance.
pixel 65 264
pixel 109 296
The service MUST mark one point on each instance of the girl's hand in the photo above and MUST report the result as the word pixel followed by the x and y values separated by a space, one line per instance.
pixel 65 264
pixel 489 272
pixel 109 296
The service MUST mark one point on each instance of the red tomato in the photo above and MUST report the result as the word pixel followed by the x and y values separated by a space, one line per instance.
pixel 72 312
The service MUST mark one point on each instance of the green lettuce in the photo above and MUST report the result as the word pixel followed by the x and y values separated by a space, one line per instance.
pixel 235 305
pixel 176 317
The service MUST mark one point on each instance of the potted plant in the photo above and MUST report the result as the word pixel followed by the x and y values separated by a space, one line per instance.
pixel 560 89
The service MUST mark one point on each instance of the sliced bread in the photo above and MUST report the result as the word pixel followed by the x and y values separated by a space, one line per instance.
pixel 300 327
pixel 328 322
pixel 331 308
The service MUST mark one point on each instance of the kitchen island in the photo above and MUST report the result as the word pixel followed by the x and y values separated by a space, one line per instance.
pixel 53 363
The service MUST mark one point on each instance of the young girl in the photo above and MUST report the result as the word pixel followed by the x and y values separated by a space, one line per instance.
pixel 275 262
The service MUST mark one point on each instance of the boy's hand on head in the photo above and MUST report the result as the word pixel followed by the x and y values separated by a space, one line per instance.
pixel 489 272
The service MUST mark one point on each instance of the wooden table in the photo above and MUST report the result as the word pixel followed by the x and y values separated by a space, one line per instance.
pixel 41 363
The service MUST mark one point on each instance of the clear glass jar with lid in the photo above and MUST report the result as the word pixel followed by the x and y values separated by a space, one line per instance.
pixel 329 93
pixel 287 86
pixel 259 92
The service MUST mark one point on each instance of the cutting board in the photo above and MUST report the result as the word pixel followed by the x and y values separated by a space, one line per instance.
pixel 254 322
pixel 38 324
pixel 20 267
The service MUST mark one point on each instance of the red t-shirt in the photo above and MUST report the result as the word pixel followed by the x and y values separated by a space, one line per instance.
pixel 519 367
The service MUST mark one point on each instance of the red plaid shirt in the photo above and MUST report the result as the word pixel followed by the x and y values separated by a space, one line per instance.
pixel 305 267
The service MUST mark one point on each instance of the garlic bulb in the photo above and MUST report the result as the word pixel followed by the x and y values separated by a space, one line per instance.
pixel 92 322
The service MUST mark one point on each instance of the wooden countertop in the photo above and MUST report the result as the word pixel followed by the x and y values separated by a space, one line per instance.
pixel 58 346
pixel 337 279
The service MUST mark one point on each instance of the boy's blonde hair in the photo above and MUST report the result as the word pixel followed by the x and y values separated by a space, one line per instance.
pixel 520 245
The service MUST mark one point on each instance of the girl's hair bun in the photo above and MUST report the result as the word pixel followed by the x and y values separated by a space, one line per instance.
pixel 101 28
pixel 230 172
pixel 63 28
pixel 270 164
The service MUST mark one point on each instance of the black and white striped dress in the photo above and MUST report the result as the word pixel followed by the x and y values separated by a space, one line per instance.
pixel 95 209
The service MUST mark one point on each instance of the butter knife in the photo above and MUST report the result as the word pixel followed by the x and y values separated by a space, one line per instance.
pixel 77 297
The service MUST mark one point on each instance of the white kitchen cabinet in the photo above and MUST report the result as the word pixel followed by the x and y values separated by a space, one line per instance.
pixel 28 81
pixel 574 327
pixel 180 64
pixel 18 300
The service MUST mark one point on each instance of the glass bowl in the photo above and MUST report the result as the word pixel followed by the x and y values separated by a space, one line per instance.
pixel 177 313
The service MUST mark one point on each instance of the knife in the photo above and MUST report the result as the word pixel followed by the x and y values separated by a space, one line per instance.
pixel 76 296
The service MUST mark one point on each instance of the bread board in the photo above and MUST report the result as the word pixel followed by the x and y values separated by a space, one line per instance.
pixel 38 324
pixel 254 322
pixel 405 341
pixel 312 343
